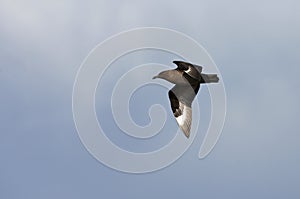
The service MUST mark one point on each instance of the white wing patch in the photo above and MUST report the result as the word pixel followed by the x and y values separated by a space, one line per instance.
pixel 188 70
pixel 185 119
pixel 180 119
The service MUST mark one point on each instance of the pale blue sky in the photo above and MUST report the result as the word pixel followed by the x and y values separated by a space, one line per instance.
pixel 255 45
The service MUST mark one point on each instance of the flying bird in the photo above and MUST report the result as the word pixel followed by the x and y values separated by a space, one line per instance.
pixel 187 78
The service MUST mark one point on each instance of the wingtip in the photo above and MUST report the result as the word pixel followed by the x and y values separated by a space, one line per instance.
pixel 175 61
pixel 187 134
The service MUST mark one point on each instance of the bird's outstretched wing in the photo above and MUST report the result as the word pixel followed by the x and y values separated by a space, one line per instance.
pixel 192 70
pixel 181 98
pixel 187 78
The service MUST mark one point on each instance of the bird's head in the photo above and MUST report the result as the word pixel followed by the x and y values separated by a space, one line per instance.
pixel 173 76
pixel 164 75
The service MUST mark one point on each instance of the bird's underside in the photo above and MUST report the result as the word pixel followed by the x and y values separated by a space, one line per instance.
pixel 187 79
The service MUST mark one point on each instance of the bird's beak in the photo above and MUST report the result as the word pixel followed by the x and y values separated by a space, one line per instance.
pixel 156 76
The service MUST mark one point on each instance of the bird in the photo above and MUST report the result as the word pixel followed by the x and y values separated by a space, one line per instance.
pixel 187 78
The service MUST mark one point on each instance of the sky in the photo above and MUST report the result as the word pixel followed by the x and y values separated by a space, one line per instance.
pixel 255 45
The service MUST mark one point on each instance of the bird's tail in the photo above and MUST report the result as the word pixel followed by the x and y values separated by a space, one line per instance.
pixel 210 78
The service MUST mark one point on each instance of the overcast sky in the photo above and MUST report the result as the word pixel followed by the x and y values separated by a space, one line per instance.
pixel 255 45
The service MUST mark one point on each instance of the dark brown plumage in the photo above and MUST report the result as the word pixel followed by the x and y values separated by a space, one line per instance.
pixel 187 78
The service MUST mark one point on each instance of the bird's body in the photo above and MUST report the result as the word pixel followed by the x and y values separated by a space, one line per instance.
pixel 187 78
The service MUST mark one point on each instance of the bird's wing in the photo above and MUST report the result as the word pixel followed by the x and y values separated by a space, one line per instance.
pixel 192 70
pixel 183 66
pixel 181 107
